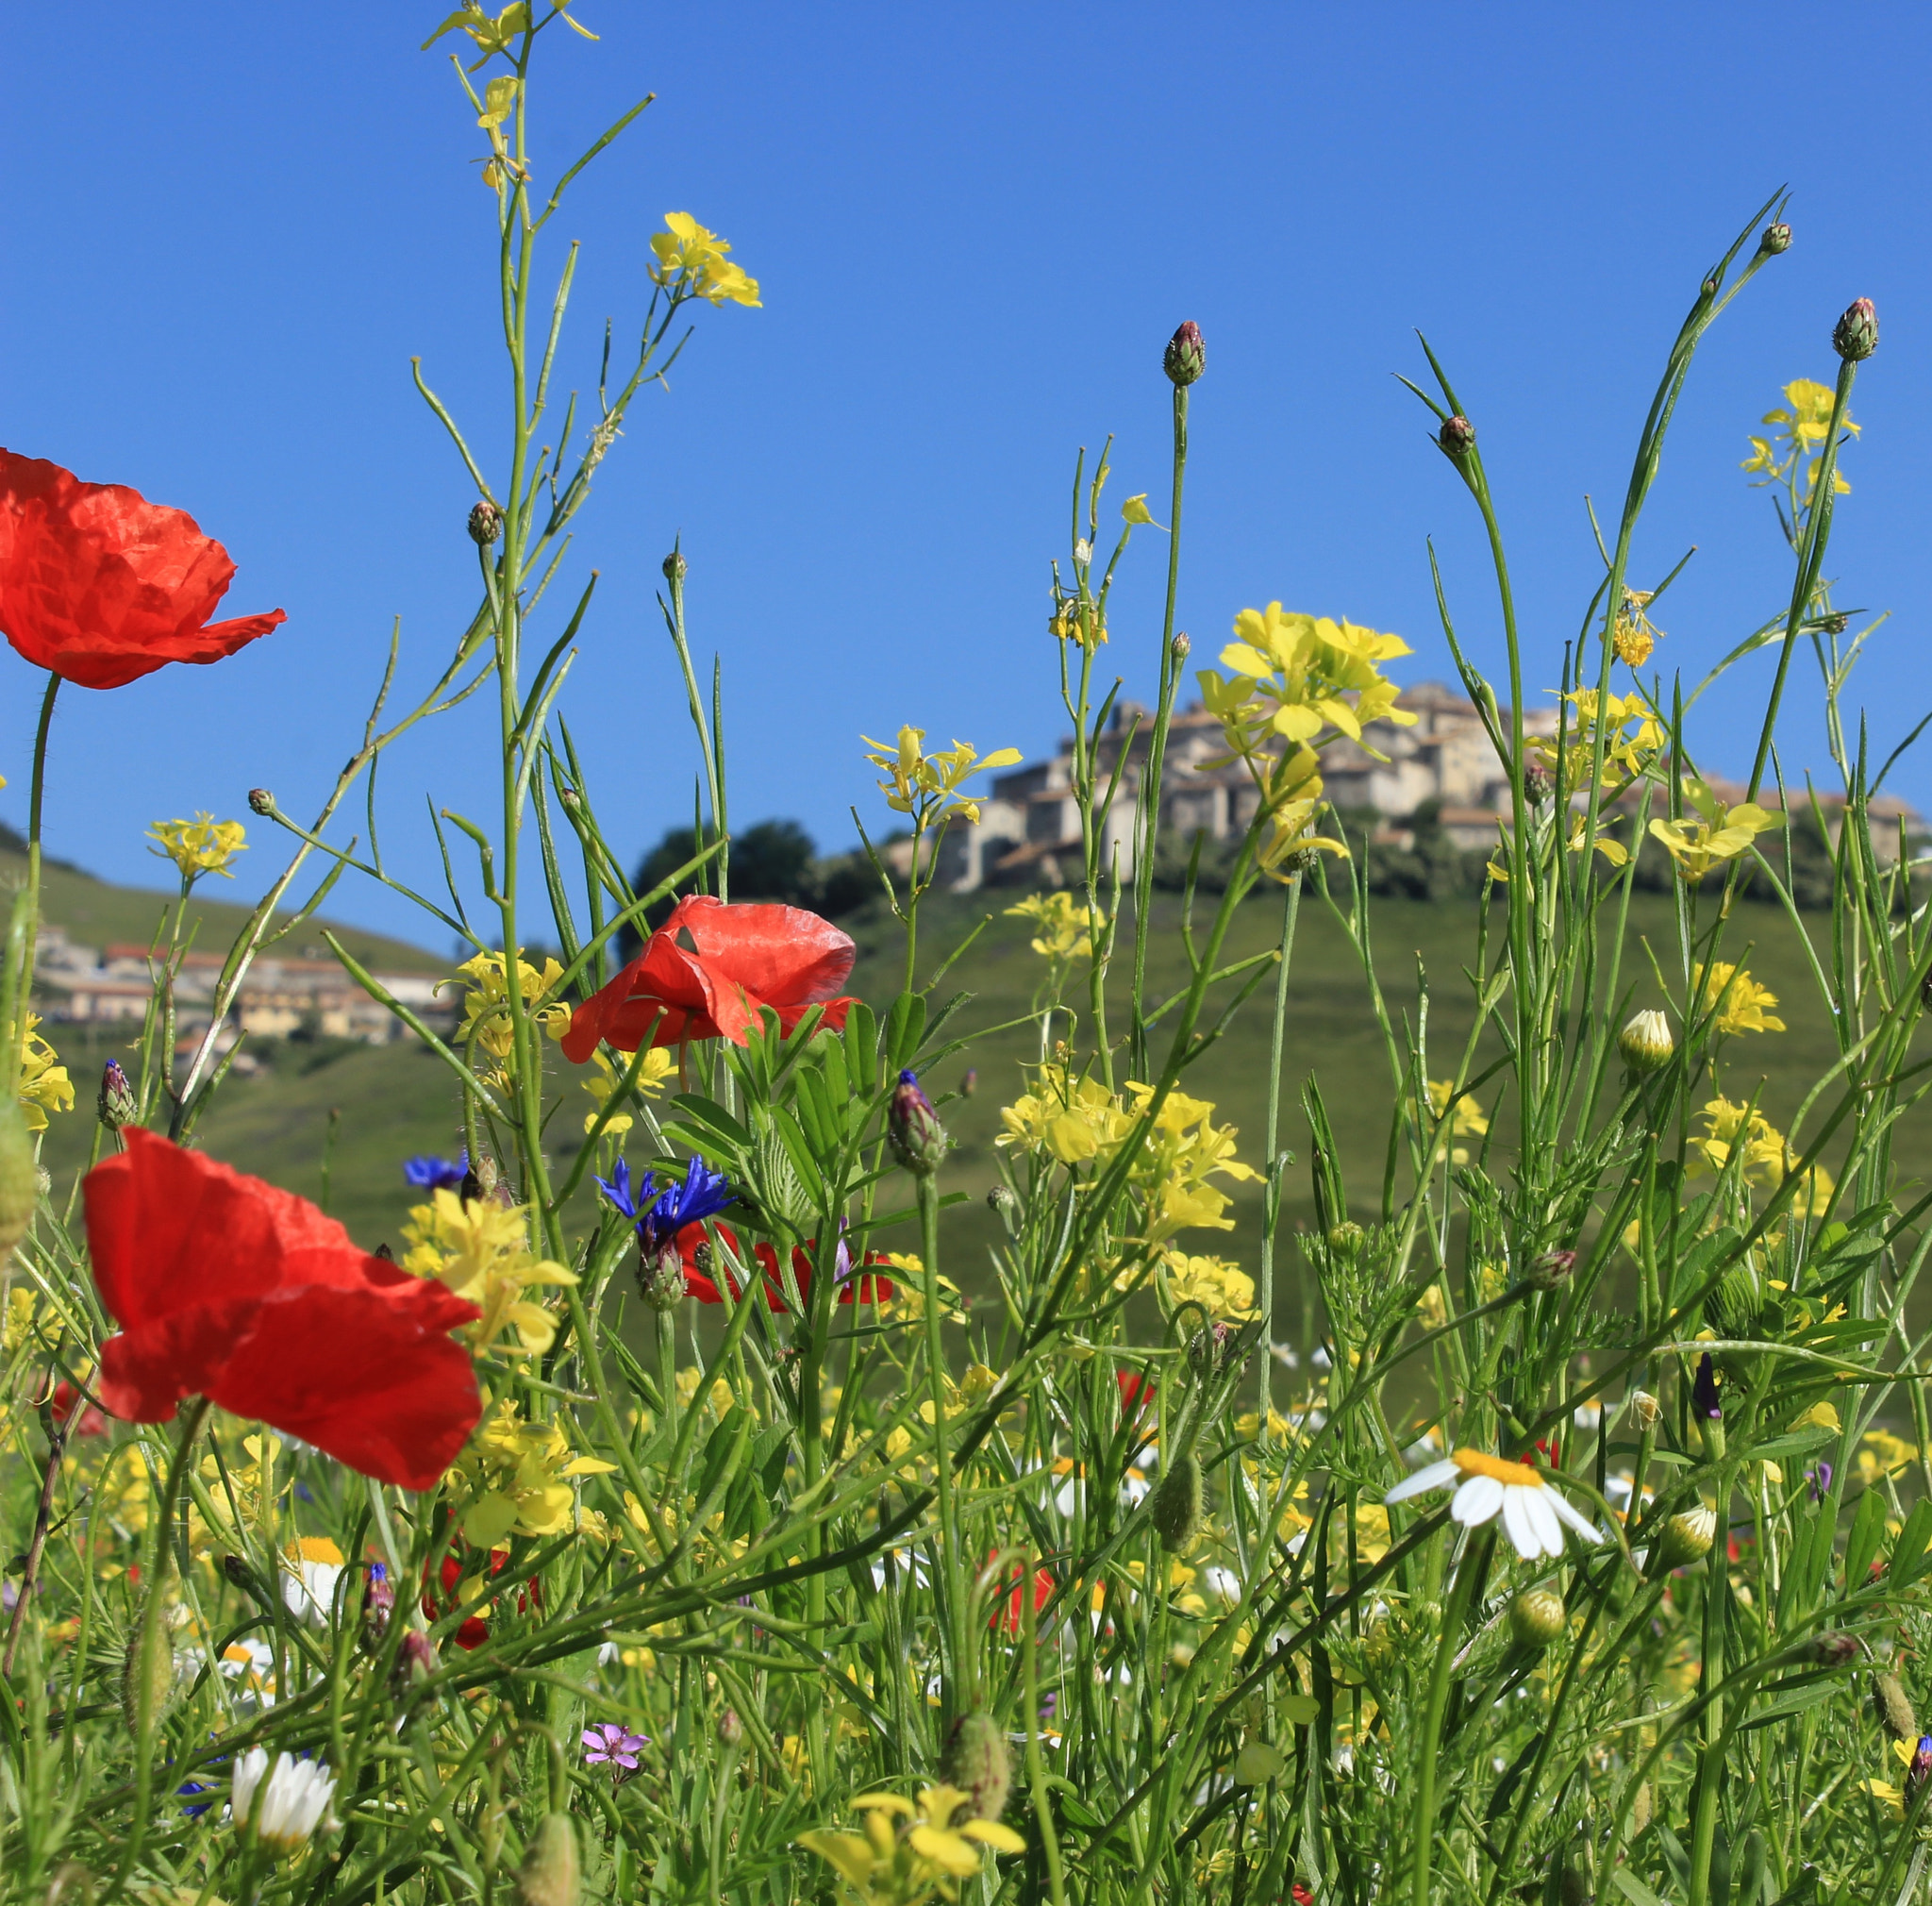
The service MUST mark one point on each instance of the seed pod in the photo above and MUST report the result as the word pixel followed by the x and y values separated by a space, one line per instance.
pixel 1537 1617
pixel 1893 1707
pixel 486 524
pixel 1776 238
pixel 1179 1506
pixel 548 1876
pixel 1687 1537
pixel 115 1104
pixel 1185 356
pixel 20 1180
pixel 1645 1043
pixel 977 1761
pixel 1457 438
pixel 1855 337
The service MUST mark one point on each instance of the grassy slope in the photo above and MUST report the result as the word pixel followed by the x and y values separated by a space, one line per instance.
pixel 397 1099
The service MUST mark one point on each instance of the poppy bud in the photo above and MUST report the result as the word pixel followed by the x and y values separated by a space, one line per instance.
pixel 660 1274
pixel 1645 1042
pixel 976 1762
pixel 260 801
pixel 1776 238
pixel 1834 1650
pixel 548 1876
pixel 1855 337
pixel 730 1728
pixel 20 1178
pixel 1644 1409
pixel 1550 1270
pixel 675 567
pixel 486 524
pixel 1185 356
pixel 1183 645
pixel 415 1663
pixel 378 1604
pixel 116 1102
pixel 1687 1537
pixel 1179 1506
pixel 1457 438
pixel 918 1138
pixel 1893 1707
pixel 161 1679
pixel 1537 1617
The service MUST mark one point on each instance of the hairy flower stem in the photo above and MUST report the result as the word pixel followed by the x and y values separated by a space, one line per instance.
pixel 22 988
pixel 959 1681
pixel 1036 1762
pixel 1471 1568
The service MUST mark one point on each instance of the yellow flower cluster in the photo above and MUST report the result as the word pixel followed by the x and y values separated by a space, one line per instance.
pixel 1803 422
pixel 926 786
pixel 1468 1119
pixel 691 262
pixel 936 1845
pixel 1718 833
pixel 19 1319
pixel 1632 733
pixel 1221 1289
pixel 234 1482
pixel 1635 634
pixel 202 845
pixel 44 1085
pixel 1066 927
pixel 480 1249
pixel 486 1004
pixel 513 1479
pixel 657 1067
pixel 1766 1156
pixel 1744 1000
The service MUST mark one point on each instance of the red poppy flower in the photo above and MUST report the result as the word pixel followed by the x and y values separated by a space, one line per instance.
pixel 1135 1391
pixel 227 1288
pixel 472 1631
pixel 63 1402
pixel 1009 1616
pixel 701 1285
pixel 740 959
pixel 102 586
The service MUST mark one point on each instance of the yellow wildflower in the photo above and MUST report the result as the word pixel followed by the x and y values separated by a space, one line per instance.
pixel 1467 1119
pixel 202 845
pixel 1745 1002
pixel 1633 732
pixel 20 1318
pixel 1719 833
pixel 1293 676
pixel 908 1300
pixel 934 1846
pixel 1728 1125
pixel 1222 1290
pixel 1882 1454
pixel 691 262
pixel 928 786
pixel 486 1004
pixel 480 1249
pixel 1635 635
pixel 1804 421
pixel 1066 927
pixel 44 1085
pixel 1135 510
pixel 512 1478
pixel 657 1067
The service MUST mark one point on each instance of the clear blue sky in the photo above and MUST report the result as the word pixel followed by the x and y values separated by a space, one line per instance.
pixel 228 229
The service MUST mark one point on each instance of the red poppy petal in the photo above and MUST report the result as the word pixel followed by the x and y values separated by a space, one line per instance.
pixel 146 1371
pixel 782 954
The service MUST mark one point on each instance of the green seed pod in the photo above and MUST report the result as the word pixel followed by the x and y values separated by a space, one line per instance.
pixel 20 1178
pixel 1893 1707
pixel 548 1876
pixel 1179 1505
pixel 977 1761
pixel 1537 1617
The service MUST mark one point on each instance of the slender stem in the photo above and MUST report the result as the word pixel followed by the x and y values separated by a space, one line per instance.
pixel 961 1691
pixel 1036 1765
pixel 43 1515
pixel 24 988
pixel 1467 1574
pixel 1271 1213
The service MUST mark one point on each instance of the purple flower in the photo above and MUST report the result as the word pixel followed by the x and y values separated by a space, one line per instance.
pixel 1703 1398
pixel 435 1174
pixel 611 1746
pixel 1821 1482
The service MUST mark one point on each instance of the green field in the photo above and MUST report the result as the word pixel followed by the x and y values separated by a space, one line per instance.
pixel 397 1099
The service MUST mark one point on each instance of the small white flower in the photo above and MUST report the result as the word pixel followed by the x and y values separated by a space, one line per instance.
pixel 313 1566
pixel 1533 1513
pixel 1221 1581
pixel 1083 551
pixel 1586 1415
pixel 292 1805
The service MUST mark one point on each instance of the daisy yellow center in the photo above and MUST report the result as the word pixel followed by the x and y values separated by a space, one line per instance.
pixel 1517 1475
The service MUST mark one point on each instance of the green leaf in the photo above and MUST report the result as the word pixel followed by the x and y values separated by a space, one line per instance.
pixel 1633 1889
pixel 1861 1546
pixel 1908 1551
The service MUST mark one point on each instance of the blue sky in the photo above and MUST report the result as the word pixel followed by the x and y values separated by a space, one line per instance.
pixel 229 228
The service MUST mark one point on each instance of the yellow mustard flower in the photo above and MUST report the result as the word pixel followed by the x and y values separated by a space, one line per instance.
pixel 1744 1000
pixel 1467 1119
pixel 906 1853
pixel 20 1318
pixel 486 1004
pixel 1633 732
pixel 480 1249
pixel 1135 511
pixel 657 1067
pixel 1881 1454
pixel 691 261
pixel 513 1479
pixel 202 845
pixel 1066 927
pixel 44 1085
pixel 1718 833
pixel 1635 634
pixel 1292 797
pixel 926 786
pixel 1294 678
pixel 1803 422
pixel 1729 1126
pixel 1222 1290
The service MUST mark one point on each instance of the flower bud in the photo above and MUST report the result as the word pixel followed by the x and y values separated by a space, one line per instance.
pixel 1210 1352
pixel 159 1678
pixel 660 1274
pixel 548 1876
pixel 999 1199
pixel 1687 1537
pixel 969 1083
pixel 675 567
pixel 20 1178
pixel 1183 645
pixel 918 1139
pixel 977 1761
pixel 1538 784
pixel 730 1728
pixel 1644 1410
pixel 1893 1707
pixel 1346 1236
pixel 1179 1505
pixel 1835 624
pixel 486 524
pixel 1457 438
pixel 1185 356
pixel 1550 1270
pixel 261 801
pixel 415 1663
pixel 116 1102
pixel 1777 240
pixel 378 1604
pixel 1537 1617
pixel 1855 337
pixel 1835 1649
pixel 1645 1042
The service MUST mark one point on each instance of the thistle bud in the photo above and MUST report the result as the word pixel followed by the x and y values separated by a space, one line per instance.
pixel 1537 1617
pixel 1893 1707
pixel 116 1102
pixel 1179 1505
pixel 1777 240
pixel 1687 1537
pixel 486 524
pixel 1855 337
pixel 415 1663
pixel 260 801
pixel 1457 438
pixel 548 1876
pixel 999 1199
pixel 379 1605
pixel 1834 1650
pixel 1644 1410
pixel 20 1178
pixel 730 1728
pixel 978 1762
pixel 1645 1042
pixel 1550 1270
pixel 1185 356
pixel 675 567
pixel 918 1139
pixel 1183 645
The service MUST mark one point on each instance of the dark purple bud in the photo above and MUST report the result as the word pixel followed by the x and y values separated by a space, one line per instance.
pixel 1185 356
pixel 378 1604
pixel 1457 438
pixel 415 1663
pixel 918 1139
pixel 1855 337
pixel 1834 1650
pixel 1821 1483
pixel 1704 1398
pixel 1209 1351
pixel 116 1104
pixel 1538 784
pixel 1920 1768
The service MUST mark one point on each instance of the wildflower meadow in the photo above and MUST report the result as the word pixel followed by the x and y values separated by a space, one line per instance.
pixel 675 1510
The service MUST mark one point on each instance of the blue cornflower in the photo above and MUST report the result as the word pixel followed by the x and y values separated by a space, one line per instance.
pixel 658 1215
pixel 617 1189
pixel 436 1173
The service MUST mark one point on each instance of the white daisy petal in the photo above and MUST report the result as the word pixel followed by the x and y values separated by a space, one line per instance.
pixel 1581 1524
pixel 1520 1522
pixel 1478 1500
pixel 1436 1475
pixel 1541 1504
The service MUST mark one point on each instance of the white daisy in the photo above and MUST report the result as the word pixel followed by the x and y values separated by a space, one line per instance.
pixel 1533 1513
pixel 290 1809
